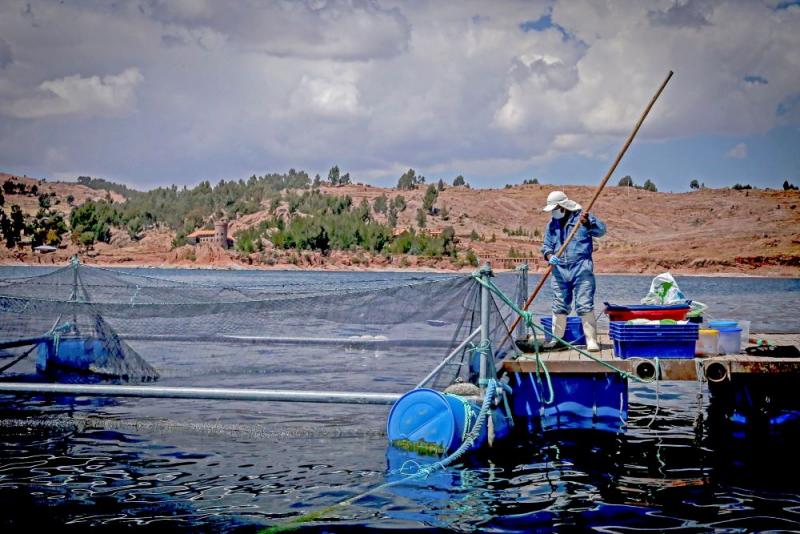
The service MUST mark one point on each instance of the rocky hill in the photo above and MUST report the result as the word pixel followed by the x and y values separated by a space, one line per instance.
pixel 705 231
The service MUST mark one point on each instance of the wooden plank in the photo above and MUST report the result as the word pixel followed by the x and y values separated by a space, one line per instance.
pixel 573 362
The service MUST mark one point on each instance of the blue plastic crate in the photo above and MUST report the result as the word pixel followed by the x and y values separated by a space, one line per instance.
pixel 650 341
pixel 617 329
pixel 573 333
pixel 683 348
pixel 653 339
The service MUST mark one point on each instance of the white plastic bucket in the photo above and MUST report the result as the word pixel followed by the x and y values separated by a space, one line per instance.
pixel 745 326
pixel 707 343
pixel 730 341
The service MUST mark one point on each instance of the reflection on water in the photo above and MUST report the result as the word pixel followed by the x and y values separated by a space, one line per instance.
pixel 107 464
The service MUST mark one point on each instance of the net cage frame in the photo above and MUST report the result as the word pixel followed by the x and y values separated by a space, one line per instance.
pixel 122 308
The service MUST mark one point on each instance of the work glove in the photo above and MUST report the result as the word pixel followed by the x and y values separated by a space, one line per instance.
pixel 554 260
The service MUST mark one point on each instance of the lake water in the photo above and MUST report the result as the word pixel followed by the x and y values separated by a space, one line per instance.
pixel 112 464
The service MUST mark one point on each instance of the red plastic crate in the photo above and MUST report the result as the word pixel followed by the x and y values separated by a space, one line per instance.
pixel 676 312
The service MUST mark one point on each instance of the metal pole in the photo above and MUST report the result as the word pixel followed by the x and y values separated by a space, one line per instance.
pixel 331 397
pixel 376 342
pixel 450 356
pixel 522 269
pixel 21 342
pixel 486 271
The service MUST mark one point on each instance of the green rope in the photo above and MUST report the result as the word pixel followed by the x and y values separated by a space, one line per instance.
pixel 528 318
pixel 422 472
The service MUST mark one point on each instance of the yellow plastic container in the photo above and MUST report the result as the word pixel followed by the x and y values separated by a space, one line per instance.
pixel 707 343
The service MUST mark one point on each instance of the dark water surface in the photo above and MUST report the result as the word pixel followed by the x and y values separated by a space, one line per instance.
pixel 87 464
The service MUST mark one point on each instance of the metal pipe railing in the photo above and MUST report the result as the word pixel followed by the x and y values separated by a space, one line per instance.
pixel 449 357
pixel 330 397
pixel 486 271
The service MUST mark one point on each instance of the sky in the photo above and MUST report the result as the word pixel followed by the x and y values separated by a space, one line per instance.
pixel 155 92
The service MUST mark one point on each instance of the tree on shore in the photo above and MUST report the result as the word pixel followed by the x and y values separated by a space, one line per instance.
pixel 422 219
pixel 625 181
pixel 430 198
pixel 409 180
pixel 380 203
pixel 333 175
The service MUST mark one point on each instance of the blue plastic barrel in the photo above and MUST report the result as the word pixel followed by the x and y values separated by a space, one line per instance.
pixel 425 415
pixel 573 334
pixel 76 353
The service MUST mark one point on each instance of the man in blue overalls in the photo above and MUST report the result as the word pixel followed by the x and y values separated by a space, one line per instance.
pixel 572 276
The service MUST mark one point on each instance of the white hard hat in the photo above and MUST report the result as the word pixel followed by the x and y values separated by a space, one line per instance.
pixel 558 198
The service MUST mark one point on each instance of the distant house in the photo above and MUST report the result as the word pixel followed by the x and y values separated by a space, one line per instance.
pixel 218 236
pixel 431 232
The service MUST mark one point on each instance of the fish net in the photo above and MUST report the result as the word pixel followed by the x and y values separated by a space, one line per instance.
pixel 115 324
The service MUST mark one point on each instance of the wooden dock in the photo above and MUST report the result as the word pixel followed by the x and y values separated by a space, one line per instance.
pixel 712 368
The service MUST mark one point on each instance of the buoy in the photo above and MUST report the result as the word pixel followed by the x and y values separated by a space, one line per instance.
pixel 427 421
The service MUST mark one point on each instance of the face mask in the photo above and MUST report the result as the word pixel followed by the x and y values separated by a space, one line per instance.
pixel 557 213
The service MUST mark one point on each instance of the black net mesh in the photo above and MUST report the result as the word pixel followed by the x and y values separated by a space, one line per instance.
pixel 130 323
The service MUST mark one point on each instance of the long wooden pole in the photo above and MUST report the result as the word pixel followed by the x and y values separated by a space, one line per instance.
pixel 602 185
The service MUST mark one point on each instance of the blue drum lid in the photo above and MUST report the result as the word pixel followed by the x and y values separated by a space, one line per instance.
pixel 423 415
pixel 724 325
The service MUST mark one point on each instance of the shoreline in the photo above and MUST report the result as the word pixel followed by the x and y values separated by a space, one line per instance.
pixel 291 268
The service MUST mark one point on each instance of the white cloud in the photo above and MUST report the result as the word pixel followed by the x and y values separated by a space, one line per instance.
pixel 381 85
pixel 108 96
pixel 738 152
pixel 333 98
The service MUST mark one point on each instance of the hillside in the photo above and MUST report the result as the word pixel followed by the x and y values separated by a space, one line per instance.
pixel 705 231
pixel 62 190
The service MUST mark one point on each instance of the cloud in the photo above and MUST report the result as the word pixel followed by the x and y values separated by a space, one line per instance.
pixel 737 152
pixel 108 96
pixel 347 30
pixel 752 79
pixel 483 88
pixel 332 98
pixel 683 14
pixel 6 57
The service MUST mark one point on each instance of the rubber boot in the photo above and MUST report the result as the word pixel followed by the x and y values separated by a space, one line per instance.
pixel 590 331
pixel 559 327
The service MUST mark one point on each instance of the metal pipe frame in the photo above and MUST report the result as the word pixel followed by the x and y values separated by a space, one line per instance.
pixel 328 397
pixel 450 357
pixel 486 271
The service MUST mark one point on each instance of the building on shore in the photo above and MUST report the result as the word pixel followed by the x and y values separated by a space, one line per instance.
pixel 218 236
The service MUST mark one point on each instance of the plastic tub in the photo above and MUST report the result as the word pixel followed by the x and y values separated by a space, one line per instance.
pixel 620 312
pixel 707 342
pixel 730 335
pixel 573 334
pixel 745 326
pixel 730 341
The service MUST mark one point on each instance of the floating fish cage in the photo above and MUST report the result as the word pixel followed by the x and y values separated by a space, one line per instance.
pixel 111 325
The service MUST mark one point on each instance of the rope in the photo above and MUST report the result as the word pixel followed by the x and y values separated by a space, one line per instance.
pixel 528 318
pixel 658 393
pixel 421 473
